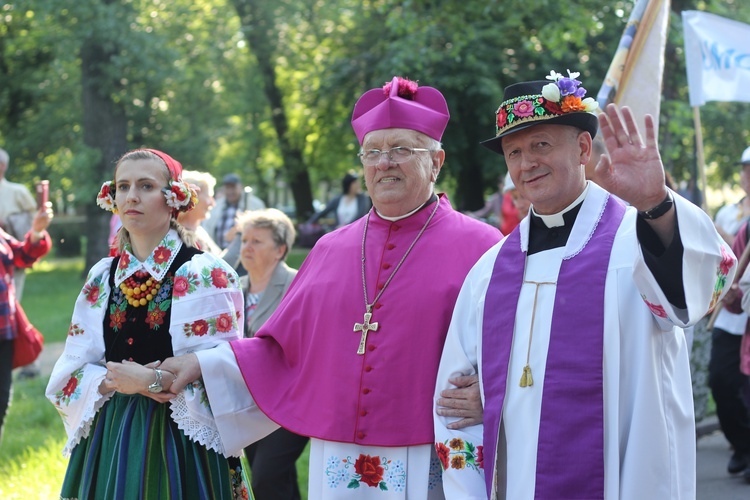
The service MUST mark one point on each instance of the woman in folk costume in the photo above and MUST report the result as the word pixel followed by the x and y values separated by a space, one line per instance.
pixel 127 436
pixel 585 378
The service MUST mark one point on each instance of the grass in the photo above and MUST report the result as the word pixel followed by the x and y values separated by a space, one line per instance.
pixel 31 461
pixel 50 293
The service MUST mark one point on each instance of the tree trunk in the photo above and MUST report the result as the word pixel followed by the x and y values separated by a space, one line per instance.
pixel 105 130
pixel 258 27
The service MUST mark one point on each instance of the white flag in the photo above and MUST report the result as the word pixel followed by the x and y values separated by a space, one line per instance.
pixel 635 74
pixel 717 54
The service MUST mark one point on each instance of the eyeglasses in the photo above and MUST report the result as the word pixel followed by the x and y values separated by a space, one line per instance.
pixel 399 154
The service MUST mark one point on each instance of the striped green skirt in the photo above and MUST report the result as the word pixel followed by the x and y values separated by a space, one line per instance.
pixel 135 451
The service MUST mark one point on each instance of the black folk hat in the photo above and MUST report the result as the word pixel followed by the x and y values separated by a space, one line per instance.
pixel 558 100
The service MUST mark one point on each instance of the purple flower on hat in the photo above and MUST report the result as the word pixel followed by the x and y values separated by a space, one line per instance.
pixel 569 86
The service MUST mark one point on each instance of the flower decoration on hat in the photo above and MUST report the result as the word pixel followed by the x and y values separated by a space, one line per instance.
pixel 106 197
pixel 568 93
pixel 564 95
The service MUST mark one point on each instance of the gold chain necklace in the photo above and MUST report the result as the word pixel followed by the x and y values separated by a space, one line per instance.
pixel 366 326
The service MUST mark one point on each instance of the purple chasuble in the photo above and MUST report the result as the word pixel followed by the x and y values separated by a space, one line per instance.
pixel 302 366
pixel 570 454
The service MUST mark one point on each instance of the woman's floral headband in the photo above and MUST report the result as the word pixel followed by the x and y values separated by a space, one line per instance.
pixel 179 195
pixel 564 95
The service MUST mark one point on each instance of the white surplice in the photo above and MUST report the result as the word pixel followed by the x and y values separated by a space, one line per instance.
pixel 332 464
pixel 649 430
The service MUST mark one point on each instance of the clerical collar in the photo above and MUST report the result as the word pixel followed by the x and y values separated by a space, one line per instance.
pixel 557 220
pixel 432 200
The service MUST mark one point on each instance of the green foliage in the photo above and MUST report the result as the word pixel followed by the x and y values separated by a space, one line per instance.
pixel 189 81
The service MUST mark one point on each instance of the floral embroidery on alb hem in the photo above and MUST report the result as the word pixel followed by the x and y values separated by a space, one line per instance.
pixel 366 471
pixel 459 454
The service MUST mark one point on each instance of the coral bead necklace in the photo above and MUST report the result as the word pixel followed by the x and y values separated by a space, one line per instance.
pixel 139 292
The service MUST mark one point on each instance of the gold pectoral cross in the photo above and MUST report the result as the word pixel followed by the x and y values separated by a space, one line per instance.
pixel 365 327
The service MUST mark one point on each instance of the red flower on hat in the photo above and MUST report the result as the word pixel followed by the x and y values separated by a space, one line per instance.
pixel 553 107
pixel 523 109
pixel 407 89
pixel 502 118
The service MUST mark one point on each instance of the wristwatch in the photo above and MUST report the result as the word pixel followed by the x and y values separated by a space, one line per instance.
pixel 156 386
pixel 659 209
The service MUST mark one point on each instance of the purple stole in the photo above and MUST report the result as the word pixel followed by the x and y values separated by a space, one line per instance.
pixel 570 454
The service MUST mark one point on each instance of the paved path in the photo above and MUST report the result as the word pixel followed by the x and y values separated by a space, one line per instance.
pixel 714 483
pixel 713 450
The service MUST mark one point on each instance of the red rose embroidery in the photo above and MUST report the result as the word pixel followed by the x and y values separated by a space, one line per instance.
pixel 70 387
pixel 502 118
pixel 727 261
pixel 443 453
pixel 224 322
pixel 162 254
pixel 199 327
pixel 658 310
pixel 219 277
pixel 480 456
pixel 181 286
pixel 124 261
pixel 369 469
pixel 92 294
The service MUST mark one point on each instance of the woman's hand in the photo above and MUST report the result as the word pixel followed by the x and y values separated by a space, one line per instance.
pixel 41 221
pixel 129 377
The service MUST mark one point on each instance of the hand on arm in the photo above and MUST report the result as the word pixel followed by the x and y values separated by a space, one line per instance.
pixel 633 170
pixel 133 378
pixel 464 402
pixel 185 368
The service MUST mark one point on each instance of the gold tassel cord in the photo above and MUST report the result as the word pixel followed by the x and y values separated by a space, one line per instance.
pixel 526 379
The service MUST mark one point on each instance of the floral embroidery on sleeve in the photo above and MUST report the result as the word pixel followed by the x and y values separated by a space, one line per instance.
pixel 75 329
pixel 93 293
pixel 217 277
pixel 71 391
pixel 657 310
pixel 726 264
pixel 222 323
pixel 185 284
pixel 459 454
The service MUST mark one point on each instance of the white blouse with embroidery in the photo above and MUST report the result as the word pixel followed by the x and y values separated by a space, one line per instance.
pixel 206 310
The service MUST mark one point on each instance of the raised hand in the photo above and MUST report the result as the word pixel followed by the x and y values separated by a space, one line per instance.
pixel 633 171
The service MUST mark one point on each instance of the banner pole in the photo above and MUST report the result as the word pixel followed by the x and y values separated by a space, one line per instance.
pixel 699 155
